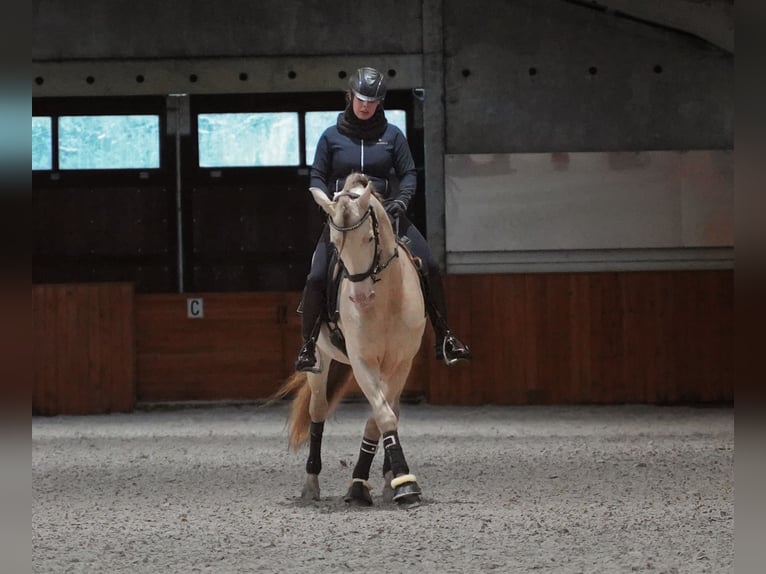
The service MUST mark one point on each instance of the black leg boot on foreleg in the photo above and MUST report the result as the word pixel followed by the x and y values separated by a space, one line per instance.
pixel 314 462
pixel 404 484
pixel 359 490
pixel 388 492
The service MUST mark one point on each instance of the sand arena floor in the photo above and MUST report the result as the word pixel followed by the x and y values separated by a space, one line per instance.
pixel 506 489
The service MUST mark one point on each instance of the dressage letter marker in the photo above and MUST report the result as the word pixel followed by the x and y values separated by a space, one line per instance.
pixel 195 308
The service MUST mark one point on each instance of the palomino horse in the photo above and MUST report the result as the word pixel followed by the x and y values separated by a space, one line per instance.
pixel 382 318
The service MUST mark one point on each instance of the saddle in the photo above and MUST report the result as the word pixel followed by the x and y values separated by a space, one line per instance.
pixel 331 314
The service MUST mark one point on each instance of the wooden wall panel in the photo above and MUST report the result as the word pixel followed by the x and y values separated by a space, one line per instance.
pixel 641 337
pixel 243 349
pixel 84 349
pixel 116 231
pixel 603 338
pixel 234 352
pixel 243 243
pixel 292 334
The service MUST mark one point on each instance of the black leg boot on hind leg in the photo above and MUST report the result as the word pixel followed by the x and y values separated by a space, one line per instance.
pixel 448 347
pixel 314 462
pixel 359 489
pixel 311 321
pixel 404 484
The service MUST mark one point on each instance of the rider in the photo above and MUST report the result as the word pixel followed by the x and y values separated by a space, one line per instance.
pixel 363 141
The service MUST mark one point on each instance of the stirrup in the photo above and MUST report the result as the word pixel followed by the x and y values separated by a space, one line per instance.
pixel 307 358
pixel 453 350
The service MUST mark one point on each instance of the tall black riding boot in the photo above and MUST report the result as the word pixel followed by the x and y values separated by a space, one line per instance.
pixel 448 346
pixel 311 305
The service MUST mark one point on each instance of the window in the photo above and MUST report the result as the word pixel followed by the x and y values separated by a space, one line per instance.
pixel 398 118
pixel 318 122
pixel 109 142
pixel 42 149
pixel 248 139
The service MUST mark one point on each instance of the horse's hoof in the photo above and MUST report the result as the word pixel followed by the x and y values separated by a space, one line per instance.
pixel 406 489
pixel 407 493
pixel 359 493
pixel 311 488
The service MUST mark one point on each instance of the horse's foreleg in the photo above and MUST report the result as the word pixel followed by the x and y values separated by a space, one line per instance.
pixel 317 412
pixel 385 409
pixel 404 485
pixel 359 490
pixel 388 492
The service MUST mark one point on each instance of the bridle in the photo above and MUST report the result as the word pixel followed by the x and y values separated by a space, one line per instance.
pixel 376 267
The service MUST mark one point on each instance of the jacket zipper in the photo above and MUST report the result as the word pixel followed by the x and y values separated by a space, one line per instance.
pixel 361 162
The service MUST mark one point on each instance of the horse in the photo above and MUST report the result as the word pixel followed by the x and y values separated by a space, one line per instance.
pixel 382 318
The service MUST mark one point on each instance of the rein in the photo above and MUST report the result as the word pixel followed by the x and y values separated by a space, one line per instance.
pixel 375 267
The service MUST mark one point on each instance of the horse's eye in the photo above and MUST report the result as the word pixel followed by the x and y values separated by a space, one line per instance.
pixel 370 239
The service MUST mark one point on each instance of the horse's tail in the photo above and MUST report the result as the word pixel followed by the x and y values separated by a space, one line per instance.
pixel 339 381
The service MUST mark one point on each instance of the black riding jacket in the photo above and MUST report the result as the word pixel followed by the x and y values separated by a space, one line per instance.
pixel 387 162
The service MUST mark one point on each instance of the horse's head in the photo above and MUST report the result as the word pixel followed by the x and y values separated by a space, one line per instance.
pixel 355 234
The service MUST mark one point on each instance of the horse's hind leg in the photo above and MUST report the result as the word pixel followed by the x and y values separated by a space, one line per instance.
pixel 359 490
pixel 317 411
pixel 314 463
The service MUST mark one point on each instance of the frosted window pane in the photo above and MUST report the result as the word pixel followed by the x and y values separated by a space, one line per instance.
pixel 41 143
pixel 109 142
pixel 398 118
pixel 248 139
pixel 318 122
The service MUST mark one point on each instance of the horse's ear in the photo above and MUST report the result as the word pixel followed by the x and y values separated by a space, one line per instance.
pixel 323 201
pixel 364 199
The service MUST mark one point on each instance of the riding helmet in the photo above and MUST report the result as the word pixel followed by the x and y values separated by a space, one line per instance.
pixel 368 84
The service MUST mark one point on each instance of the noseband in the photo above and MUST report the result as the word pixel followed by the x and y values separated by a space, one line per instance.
pixel 375 267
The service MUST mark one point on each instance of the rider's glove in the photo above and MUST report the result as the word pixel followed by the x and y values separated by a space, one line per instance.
pixel 395 209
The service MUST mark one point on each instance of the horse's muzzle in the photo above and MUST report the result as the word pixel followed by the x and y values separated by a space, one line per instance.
pixel 363 300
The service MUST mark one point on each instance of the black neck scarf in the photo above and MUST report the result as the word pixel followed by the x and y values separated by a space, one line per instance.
pixel 351 126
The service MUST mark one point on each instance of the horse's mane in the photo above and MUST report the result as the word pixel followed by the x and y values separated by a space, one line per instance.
pixel 357 179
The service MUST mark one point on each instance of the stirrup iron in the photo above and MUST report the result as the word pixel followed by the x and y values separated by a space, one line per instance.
pixel 304 363
pixel 460 351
